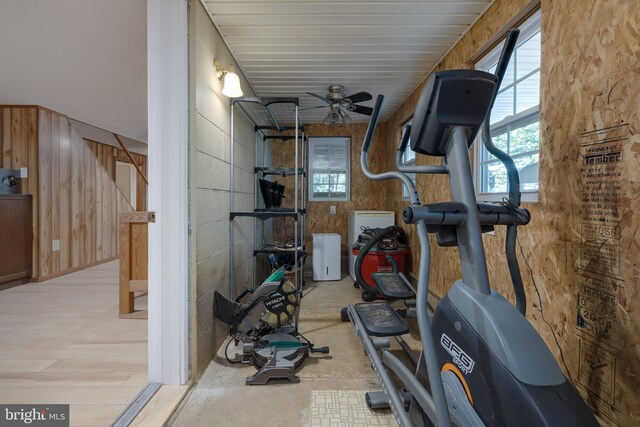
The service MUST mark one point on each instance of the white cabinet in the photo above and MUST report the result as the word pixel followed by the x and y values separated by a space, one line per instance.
pixel 359 219
pixel 326 257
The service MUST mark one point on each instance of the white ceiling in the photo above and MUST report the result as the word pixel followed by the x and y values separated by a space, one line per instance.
pixel 289 47
pixel 93 133
pixel 83 58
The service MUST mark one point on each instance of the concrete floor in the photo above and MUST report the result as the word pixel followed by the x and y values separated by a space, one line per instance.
pixel 331 388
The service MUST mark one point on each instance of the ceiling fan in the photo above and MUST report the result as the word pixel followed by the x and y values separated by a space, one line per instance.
pixel 339 104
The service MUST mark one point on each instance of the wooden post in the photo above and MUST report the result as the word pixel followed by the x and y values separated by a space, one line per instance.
pixel 133 261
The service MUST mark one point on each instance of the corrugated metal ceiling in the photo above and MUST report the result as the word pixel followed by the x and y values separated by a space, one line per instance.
pixel 289 47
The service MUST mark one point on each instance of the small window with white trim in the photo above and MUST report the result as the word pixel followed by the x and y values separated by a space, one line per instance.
pixel 515 119
pixel 329 169
pixel 408 159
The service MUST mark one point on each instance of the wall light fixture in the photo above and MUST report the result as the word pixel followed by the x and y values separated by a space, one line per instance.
pixel 230 81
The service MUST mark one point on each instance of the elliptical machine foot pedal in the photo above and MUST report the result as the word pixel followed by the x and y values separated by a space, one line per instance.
pixel 393 285
pixel 380 320
pixel 379 400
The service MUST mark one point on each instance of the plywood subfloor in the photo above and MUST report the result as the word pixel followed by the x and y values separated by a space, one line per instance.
pixel 62 342
pixel 331 388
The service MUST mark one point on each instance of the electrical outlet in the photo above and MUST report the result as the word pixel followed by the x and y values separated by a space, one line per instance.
pixel 24 172
pixel 332 210
pixel 55 245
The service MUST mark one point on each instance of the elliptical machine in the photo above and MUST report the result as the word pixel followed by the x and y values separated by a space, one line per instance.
pixel 482 362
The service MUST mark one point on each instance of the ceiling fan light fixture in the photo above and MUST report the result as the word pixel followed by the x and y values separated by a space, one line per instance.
pixel 346 119
pixel 340 105
pixel 331 119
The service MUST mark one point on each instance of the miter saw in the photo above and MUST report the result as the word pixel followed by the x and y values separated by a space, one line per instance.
pixel 267 328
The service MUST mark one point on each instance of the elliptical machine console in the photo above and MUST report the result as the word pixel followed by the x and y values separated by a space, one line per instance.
pixel 482 362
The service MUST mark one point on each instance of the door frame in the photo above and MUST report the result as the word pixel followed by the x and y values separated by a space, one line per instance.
pixel 168 114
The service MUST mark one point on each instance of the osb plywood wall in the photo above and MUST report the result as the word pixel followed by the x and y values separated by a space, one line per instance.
pixel 582 244
pixel 591 168
pixel 365 194
pixel 107 155
pixel 74 200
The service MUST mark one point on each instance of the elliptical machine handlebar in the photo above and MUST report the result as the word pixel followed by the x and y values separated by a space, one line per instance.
pixel 364 163
pixel 507 50
pixel 404 142
pixel 406 135
pixel 513 177
pixel 373 123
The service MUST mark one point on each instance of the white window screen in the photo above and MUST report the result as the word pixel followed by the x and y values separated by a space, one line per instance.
pixel 514 119
pixel 329 169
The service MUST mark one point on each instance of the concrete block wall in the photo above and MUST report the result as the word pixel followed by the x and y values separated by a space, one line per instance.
pixel 209 187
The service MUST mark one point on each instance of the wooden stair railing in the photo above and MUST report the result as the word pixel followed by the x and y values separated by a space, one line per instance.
pixel 135 164
pixel 134 261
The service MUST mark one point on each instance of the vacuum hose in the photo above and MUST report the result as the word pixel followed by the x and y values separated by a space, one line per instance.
pixel 365 250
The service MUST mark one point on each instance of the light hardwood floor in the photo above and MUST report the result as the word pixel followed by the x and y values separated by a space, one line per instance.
pixel 61 341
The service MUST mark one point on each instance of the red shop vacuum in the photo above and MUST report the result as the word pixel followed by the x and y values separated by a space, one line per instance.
pixel 379 250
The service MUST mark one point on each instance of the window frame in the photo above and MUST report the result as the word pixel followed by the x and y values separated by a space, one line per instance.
pixel 311 173
pixel 530 27
pixel 405 162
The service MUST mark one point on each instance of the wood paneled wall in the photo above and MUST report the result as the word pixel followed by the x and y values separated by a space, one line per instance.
pixel 365 194
pixel 75 202
pixel 590 90
pixel 19 142
pixel 107 155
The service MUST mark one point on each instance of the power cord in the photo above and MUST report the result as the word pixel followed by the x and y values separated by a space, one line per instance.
pixel 305 338
pixel 312 348
pixel 518 214
pixel 541 309
pixel 521 216
pixel 227 356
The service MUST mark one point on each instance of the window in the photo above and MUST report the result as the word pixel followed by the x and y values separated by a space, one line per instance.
pixel 515 118
pixel 408 159
pixel 329 169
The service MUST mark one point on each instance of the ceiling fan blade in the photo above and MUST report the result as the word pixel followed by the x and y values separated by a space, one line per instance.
pixel 319 97
pixel 311 108
pixel 361 109
pixel 359 97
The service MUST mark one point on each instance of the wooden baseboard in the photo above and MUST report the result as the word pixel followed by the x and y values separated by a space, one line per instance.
pixel 16 278
pixel 72 270
pixel 13 284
